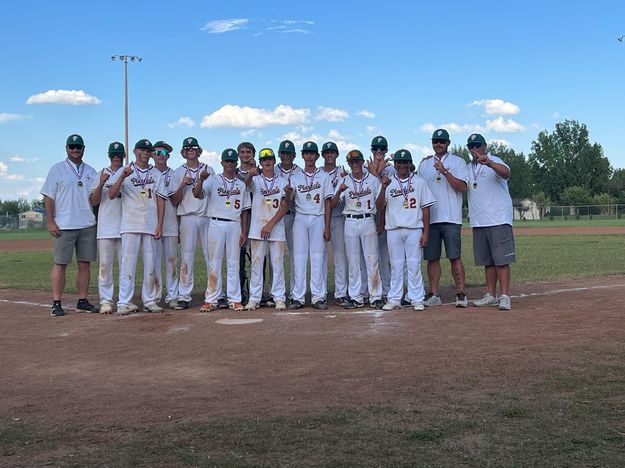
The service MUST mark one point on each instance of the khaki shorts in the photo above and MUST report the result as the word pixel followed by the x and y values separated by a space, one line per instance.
pixel 493 245
pixel 83 240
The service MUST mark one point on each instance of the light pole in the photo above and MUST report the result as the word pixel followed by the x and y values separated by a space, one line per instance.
pixel 125 58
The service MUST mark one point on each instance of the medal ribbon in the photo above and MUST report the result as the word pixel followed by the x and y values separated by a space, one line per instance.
pixel 312 180
pixel 478 173
pixel 268 190
pixel 441 160
pixel 142 182
pixel 228 192
pixel 77 172
pixel 406 191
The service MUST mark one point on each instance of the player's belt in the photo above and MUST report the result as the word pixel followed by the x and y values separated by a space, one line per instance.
pixel 222 219
pixel 360 216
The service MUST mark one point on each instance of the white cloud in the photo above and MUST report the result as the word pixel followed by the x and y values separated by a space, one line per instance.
pixel 372 129
pixel 417 151
pixel 251 117
pixel 296 30
pixel 496 106
pixel 452 127
pixel 331 114
pixel 63 96
pixel 344 144
pixel 504 126
pixel 252 132
pixel 212 158
pixel 182 122
pixel 224 25
pixel 366 114
pixel 4 173
pixel 18 158
pixel 3 169
pixel 14 177
pixel 6 117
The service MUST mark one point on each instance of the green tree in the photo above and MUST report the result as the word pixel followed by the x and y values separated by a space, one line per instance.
pixel 576 196
pixel 605 202
pixel 616 186
pixel 521 182
pixel 37 204
pixel 461 151
pixel 9 207
pixel 566 158
pixel 542 202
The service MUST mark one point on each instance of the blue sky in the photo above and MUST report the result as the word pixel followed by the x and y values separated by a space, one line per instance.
pixel 228 72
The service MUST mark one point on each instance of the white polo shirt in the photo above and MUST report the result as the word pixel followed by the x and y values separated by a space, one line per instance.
pixel 489 198
pixel 68 185
pixel 405 200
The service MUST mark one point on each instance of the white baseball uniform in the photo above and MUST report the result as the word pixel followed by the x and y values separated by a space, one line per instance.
pixel 405 200
pixel 227 199
pixel 311 191
pixel 266 194
pixel 167 245
pixel 194 222
pixel 109 238
pixel 361 238
pixel 139 223
pixel 337 239
pixel 290 217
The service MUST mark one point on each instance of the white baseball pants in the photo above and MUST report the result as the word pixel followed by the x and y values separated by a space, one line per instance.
pixel 276 257
pixel 308 230
pixel 288 228
pixel 190 227
pixel 405 254
pixel 131 243
pixel 223 236
pixel 106 253
pixel 361 240
pixel 337 239
pixel 167 248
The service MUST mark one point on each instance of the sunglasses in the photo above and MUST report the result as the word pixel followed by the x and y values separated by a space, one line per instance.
pixel 74 147
pixel 402 162
pixel 439 141
pixel 474 145
pixel 266 154
pixel 161 152
pixel 379 148
pixel 188 148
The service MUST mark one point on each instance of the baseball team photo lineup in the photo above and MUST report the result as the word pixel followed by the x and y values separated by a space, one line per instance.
pixel 371 223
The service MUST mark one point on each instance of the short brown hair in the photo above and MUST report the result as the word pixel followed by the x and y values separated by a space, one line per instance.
pixel 246 144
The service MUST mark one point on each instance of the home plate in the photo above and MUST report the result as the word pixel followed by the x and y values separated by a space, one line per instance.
pixel 229 321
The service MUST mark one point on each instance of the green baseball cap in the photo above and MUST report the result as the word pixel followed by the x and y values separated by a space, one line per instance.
pixel 144 144
pixel 162 144
pixel 378 142
pixel 402 155
pixel 286 146
pixel 75 139
pixel 190 141
pixel 440 134
pixel 310 146
pixel 116 148
pixel 230 154
pixel 476 138
pixel 355 155
pixel 266 153
pixel 329 146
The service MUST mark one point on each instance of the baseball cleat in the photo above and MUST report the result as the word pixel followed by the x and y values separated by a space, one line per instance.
pixel 125 309
pixel 208 307
pixel 391 306
pixel 295 305
pixel 461 300
pixel 222 303
pixel 153 308
pixel 342 301
pixel 280 305
pixel 320 305
pixel 182 305
pixel 352 304
pixel 252 305
pixel 236 306
pixel 106 308
pixel 378 305
pixel 419 306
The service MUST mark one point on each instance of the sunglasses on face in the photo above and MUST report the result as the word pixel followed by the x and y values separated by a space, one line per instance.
pixel 438 141
pixel 474 145
pixel 189 148
pixel 161 152
pixel 375 149
pixel 402 162
pixel 74 147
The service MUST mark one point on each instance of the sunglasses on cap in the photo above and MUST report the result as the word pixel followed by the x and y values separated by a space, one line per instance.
pixel 439 141
pixel 474 145
pixel 187 148
pixel 74 147
pixel 379 148
pixel 161 152
pixel 266 154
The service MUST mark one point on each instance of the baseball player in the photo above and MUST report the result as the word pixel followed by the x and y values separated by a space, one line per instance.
pixel 267 229
pixel 228 205
pixel 110 218
pixel 359 192
pixel 71 222
pixel 247 155
pixel 407 221
pixel 142 221
pixel 446 175
pixel 193 213
pixel 312 191
pixel 329 153
pixel 490 213
pixel 167 245
pixel 286 168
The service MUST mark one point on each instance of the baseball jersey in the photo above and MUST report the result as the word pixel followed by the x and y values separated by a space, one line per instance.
pixel 266 196
pixel 388 171
pixel 68 185
pixel 448 208
pixel 110 211
pixel 226 198
pixel 360 196
pixel 405 200
pixel 335 179
pixel 489 199
pixel 170 219
pixel 287 174
pixel 189 205
pixel 311 191
pixel 139 193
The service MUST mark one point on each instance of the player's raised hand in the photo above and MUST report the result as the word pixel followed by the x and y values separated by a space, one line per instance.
pixel 104 176
pixel 127 171
pixel 386 180
pixel 288 189
pixel 372 167
pixel 254 171
pixel 204 175
pixel 343 186
pixel 483 159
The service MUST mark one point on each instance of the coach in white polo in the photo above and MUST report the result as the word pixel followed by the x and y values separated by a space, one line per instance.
pixel 71 222
pixel 446 175
pixel 490 215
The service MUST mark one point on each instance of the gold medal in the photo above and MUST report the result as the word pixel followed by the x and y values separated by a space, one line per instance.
pixel 474 185
pixel 358 204
pixel 227 203
pixel 80 183
pixel 438 178
pixel 308 196
pixel 406 204
pixel 268 201
pixel 143 193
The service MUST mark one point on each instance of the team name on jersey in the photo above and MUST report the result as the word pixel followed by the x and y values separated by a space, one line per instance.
pixel 222 192
pixel 271 191
pixel 399 193
pixel 140 182
pixel 308 188
pixel 354 195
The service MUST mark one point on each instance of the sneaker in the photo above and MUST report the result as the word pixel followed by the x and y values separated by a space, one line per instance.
pixel 222 303
pixel 85 306
pixel 125 309
pixel 208 307
pixel 280 305
pixel 391 306
pixel 106 308
pixel 252 305
pixel 432 300
pixel 295 305
pixel 57 310
pixel 405 302
pixel 341 301
pixel 352 304
pixel 270 302
pixel 153 308
pixel 486 301
pixel 321 305
pixel 419 306
pixel 461 300
pixel 378 305
pixel 505 303
pixel 182 305
pixel 173 304
pixel 236 306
